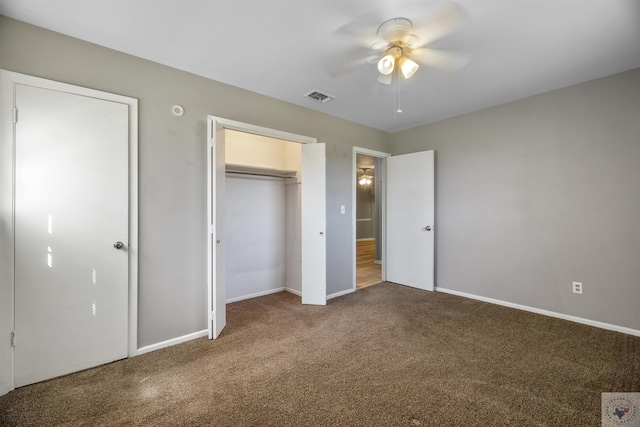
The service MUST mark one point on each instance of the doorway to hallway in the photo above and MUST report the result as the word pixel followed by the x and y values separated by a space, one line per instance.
pixel 368 218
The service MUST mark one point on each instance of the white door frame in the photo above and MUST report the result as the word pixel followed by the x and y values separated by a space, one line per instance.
pixel 8 80
pixel 354 198
pixel 214 125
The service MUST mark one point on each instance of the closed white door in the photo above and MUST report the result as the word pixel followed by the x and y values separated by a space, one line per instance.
pixel 314 270
pixel 410 220
pixel 71 231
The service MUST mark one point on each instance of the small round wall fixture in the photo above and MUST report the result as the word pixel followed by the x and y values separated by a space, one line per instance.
pixel 177 110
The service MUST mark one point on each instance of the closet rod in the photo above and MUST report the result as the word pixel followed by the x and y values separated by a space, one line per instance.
pixel 258 171
pixel 267 174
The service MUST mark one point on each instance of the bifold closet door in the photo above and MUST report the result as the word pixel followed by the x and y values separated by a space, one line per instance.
pixel 314 271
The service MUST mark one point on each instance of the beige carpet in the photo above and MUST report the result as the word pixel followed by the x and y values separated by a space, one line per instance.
pixel 384 356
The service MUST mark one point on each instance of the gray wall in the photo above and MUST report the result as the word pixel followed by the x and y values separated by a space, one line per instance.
pixel 540 192
pixel 255 234
pixel 172 164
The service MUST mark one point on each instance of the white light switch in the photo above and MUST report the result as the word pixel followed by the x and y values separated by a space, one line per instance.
pixel 342 209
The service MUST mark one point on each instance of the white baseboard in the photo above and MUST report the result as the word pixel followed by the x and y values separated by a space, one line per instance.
pixel 365 239
pixel 294 291
pixel 174 341
pixel 257 294
pixel 576 319
pixel 341 293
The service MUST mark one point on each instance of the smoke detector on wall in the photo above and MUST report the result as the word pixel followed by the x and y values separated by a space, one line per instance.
pixel 177 110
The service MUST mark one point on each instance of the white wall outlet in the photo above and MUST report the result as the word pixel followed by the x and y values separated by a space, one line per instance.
pixel 577 287
pixel 342 209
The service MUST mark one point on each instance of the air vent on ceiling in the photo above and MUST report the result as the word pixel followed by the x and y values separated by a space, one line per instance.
pixel 319 96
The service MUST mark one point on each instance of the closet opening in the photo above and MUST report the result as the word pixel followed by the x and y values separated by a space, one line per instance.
pixel 277 210
pixel 263 216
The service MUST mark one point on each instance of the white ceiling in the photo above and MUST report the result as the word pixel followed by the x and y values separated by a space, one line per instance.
pixel 282 48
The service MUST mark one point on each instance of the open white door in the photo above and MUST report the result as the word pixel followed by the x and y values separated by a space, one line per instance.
pixel 216 277
pixel 314 272
pixel 410 220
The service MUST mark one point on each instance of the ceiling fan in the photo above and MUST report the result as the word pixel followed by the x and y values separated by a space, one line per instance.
pixel 398 46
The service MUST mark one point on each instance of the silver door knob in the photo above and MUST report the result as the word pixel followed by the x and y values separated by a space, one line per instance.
pixel 118 245
pixel 428 228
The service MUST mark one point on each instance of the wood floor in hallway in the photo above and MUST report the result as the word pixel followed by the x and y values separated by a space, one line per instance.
pixel 367 271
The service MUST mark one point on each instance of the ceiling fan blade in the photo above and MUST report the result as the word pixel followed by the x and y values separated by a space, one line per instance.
pixel 440 59
pixel 348 61
pixel 352 46
pixel 359 32
pixel 442 23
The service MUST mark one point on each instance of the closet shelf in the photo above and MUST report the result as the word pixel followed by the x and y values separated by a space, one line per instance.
pixel 254 170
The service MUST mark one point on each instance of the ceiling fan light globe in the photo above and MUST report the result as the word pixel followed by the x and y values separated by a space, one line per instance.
pixel 386 80
pixel 386 65
pixel 407 67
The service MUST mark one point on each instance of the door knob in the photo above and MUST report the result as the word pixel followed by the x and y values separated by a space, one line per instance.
pixel 118 245
pixel 428 228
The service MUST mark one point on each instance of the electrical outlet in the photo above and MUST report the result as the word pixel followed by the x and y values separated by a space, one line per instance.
pixel 342 209
pixel 577 287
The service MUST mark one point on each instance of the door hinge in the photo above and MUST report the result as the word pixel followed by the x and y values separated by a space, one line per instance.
pixel 210 144
pixel 212 228
pixel 13 338
pixel 14 115
pixel 212 315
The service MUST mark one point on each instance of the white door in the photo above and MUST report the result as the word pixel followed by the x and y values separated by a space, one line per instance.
pixel 314 271
pixel 410 220
pixel 217 279
pixel 71 207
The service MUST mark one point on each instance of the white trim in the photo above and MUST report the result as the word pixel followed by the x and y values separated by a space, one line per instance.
pixel 262 131
pixel 354 199
pixel 294 291
pixel 255 295
pixel 173 341
pixel 366 239
pixel 576 319
pixel 263 293
pixel 8 80
pixel 133 227
pixel 341 293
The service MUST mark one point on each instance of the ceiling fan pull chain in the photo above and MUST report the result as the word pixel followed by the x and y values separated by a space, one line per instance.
pixel 396 95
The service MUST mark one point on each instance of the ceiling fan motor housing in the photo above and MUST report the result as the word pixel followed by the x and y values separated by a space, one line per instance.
pixel 394 29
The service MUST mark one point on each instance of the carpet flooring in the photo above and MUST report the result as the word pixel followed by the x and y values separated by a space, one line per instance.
pixel 386 355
